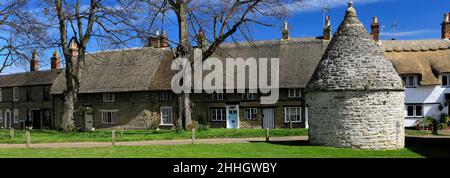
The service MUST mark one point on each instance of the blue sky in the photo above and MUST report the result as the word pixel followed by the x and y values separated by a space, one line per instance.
pixel 415 19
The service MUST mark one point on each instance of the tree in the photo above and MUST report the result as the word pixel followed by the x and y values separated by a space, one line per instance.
pixel 105 21
pixel 20 33
pixel 222 19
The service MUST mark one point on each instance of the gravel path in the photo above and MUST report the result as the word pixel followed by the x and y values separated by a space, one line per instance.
pixel 154 142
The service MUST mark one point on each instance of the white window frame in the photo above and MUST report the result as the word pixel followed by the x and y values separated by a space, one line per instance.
pixel 294 93
pixel 217 96
pixel 219 113
pixel 407 81
pixel 287 113
pixel 109 97
pixel 16 116
pixel 251 113
pixel 15 93
pixel 414 110
pixel 442 78
pixel 109 121
pixel 169 114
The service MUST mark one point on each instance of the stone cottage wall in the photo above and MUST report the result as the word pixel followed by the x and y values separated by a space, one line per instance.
pixel 357 119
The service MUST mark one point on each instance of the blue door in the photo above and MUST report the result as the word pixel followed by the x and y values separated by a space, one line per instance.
pixel 232 118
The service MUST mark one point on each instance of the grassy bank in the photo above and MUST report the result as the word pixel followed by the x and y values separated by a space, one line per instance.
pixel 241 150
pixel 44 136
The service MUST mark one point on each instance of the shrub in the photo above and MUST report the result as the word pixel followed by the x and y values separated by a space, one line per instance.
pixel 426 122
pixel 445 121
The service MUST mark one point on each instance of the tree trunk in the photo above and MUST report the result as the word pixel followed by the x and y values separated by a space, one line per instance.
pixel 67 119
pixel 187 109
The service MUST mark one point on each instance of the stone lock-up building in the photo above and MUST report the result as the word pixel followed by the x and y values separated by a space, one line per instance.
pixel 355 97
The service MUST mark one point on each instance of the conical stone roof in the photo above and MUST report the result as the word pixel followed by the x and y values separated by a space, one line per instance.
pixel 353 61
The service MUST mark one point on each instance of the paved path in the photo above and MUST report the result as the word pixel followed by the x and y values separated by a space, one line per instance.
pixel 154 142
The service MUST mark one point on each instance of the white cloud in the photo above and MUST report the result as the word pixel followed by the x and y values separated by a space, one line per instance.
pixel 318 5
pixel 409 33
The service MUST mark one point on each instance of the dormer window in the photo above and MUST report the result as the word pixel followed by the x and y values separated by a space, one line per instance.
pixel 109 97
pixel 294 93
pixel 445 80
pixel 409 81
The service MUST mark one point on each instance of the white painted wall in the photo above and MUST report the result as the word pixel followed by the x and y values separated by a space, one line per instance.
pixel 431 97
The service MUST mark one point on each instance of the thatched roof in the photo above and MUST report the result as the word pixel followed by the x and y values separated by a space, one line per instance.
pixel 426 58
pixel 45 77
pixel 117 71
pixel 353 61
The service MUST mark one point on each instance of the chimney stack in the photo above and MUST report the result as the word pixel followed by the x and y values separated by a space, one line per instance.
pixel 34 63
pixel 375 28
pixel 73 47
pixel 55 61
pixel 201 39
pixel 163 40
pixel 285 34
pixel 327 30
pixel 446 26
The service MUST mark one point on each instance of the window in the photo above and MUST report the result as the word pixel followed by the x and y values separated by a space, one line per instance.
pixel 165 96
pixel 16 94
pixel 166 116
pixel 1 117
pixel 109 117
pixel 294 93
pixel 16 116
pixel 249 96
pixel 414 110
pixel 446 80
pixel 46 93
pixel 251 113
pixel 292 114
pixel 409 81
pixel 218 114
pixel 1 98
pixel 109 97
pixel 29 94
pixel 217 96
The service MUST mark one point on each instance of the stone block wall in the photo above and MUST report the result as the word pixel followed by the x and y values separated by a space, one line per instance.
pixel 357 119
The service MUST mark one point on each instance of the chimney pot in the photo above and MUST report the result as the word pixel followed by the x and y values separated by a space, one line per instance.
pixel 285 34
pixel 55 60
pixel 375 29
pixel 446 26
pixel 34 64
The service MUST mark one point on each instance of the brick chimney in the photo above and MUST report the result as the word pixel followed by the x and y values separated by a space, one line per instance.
pixel 446 27
pixel 201 39
pixel 164 40
pixel 285 34
pixel 327 30
pixel 34 63
pixel 55 61
pixel 73 47
pixel 375 28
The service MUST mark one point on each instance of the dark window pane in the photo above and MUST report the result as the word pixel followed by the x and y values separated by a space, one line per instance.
pixel 418 110
pixel 410 110
pixel 444 80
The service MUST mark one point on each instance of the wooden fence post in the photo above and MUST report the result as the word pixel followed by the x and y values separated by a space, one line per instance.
pixel 11 133
pixel 267 134
pixel 113 137
pixel 193 136
pixel 28 140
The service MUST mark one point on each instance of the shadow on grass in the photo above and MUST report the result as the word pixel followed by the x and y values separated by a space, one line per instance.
pixel 429 147
pixel 287 143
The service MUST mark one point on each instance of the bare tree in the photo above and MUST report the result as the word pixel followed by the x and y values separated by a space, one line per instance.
pixel 77 24
pixel 219 21
pixel 20 33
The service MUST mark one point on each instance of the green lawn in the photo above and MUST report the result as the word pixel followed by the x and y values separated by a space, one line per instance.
pixel 44 136
pixel 242 150
pixel 410 132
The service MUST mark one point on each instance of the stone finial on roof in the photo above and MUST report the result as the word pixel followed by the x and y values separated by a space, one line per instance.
pixel 351 11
